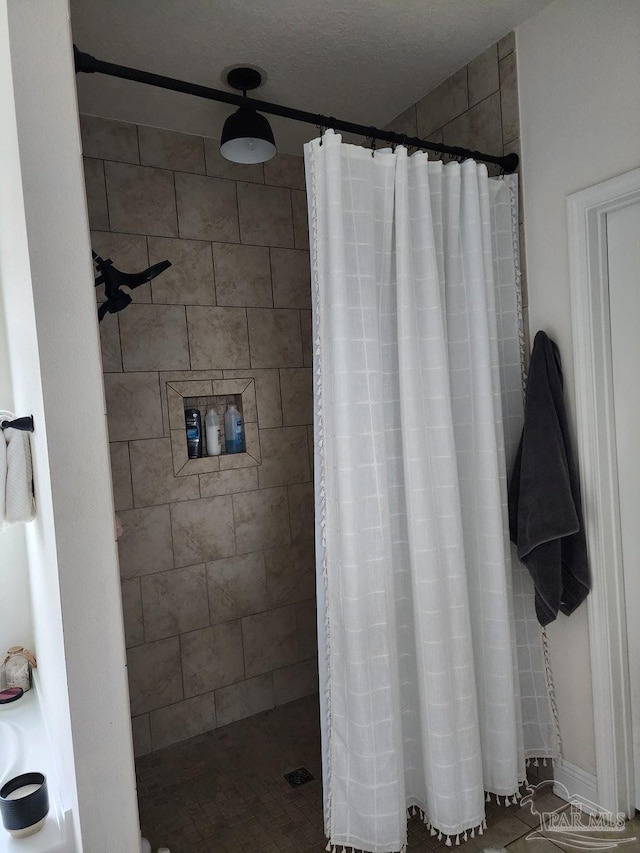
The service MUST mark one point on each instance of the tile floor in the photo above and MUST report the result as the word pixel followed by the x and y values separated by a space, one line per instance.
pixel 224 791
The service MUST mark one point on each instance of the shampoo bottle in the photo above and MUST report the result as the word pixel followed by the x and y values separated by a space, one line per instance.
pixel 234 432
pixel 193 422
pixel 212 428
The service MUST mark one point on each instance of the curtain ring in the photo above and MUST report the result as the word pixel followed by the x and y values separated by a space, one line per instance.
pixel 322 128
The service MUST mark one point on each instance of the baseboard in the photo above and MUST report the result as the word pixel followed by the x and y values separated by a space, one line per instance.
pixel 577 784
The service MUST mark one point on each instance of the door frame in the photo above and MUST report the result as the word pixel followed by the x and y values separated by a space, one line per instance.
pixel 595 418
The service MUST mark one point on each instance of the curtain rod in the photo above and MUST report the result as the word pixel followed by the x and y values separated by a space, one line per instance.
pixel 87 64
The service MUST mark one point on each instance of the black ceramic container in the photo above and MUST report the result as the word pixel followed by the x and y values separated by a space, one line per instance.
pixel 24 816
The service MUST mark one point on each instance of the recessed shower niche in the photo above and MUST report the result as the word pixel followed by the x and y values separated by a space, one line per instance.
pixel 205 394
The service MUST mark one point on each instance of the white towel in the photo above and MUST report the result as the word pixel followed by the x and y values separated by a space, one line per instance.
pixel 16 476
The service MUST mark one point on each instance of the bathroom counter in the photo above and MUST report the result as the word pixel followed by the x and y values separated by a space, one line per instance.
pixel 24 747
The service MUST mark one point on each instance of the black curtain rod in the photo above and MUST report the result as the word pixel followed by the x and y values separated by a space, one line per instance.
pixel 87 64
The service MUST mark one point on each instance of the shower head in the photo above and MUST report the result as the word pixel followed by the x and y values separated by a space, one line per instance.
pixel 114 279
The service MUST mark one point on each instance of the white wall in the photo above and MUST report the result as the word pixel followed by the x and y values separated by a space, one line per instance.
pixel 15 625
pixel 49 305
pixel 579 82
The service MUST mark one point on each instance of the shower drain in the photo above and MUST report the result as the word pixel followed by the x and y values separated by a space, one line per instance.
pixel 298 777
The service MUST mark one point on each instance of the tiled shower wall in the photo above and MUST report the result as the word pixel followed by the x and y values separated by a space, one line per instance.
pixel 477 108
pixel 218 578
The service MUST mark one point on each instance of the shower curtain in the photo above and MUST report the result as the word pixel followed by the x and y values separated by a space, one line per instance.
pixel 424 645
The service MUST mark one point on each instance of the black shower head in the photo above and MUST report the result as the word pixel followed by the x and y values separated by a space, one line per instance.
pixel 114 279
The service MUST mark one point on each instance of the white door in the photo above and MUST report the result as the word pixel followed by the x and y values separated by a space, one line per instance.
pixel 623 240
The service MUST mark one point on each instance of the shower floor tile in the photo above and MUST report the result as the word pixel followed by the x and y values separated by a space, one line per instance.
pixel 225 792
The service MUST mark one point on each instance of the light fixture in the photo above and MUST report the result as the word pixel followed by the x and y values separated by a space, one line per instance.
pixel 246 136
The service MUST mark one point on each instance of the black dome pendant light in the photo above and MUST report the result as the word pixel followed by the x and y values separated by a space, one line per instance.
pixel 246 136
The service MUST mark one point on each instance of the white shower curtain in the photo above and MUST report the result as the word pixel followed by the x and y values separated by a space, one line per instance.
pixel 422 695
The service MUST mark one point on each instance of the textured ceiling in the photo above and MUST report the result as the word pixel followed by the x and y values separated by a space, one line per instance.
pixel 359 60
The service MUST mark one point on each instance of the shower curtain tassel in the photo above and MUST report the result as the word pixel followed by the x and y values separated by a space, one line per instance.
pixel 439 836
pixel 458 840
pixel 473 832
pixel 432 831
pixel 480 830
pixel 328 848
pixel 465 836
pixel 507 802
pixel 527 762
pixel 487 799
pixel 544 762
pixel 484 823
pixel 515 799
pixel 448 841
pixel 536 763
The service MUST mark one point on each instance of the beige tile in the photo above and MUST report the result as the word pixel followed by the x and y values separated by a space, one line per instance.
pixel 145 545
pixel 307 338
pixel 285 170
pixel 478 128
pixel 141 200
pixel 300 219
pixel 270 640
pixel 534 844
pixel 217 337
pixel 202 530
pixel 228 482
pixel 154 337
pixel 443 103
pixel 509 98
pixel 177 391
pixel 507 44
pixel 302 511
pixel 268 401
pixel 109 139
pixel 171 150
pixel 189 280
pixel 212 658
pixel 262 519
pixel 155 675
pixel 141 735
pixel 133 406
pixel 207 208
pixel 285 456
pixel 96 194
pixel 132 612
pixel 121 476
pixel 244 699
pixel 307 623
pixel 243 276
pixel 295 681
pixel 110 344
pixel 502 828
pixel 296 384
pixel 405 123
pixel 152 474
pixel 291 573
pixel 221 168
pixel 129 254
pixel 544 800
pixel 265 215
pixel 483 75
pixel 237 587
pixel 185 719
pixel 174 602
pixel 275 337
pixel 291 275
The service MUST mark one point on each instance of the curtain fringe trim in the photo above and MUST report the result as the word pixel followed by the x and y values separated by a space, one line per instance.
pixel 321 467
pixel 515 236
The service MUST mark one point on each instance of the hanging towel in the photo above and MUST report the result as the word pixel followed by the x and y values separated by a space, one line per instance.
pixel 545 514
pixel 16 477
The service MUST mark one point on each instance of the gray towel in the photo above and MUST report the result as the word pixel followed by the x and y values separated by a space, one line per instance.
pixel 545 513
